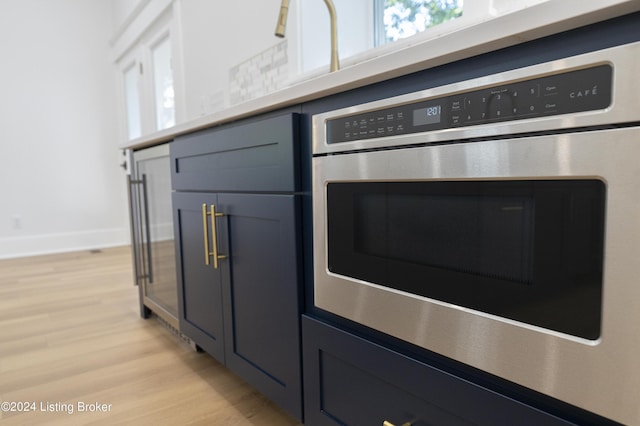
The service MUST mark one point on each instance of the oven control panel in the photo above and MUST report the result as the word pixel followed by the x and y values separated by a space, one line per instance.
pixel 574 91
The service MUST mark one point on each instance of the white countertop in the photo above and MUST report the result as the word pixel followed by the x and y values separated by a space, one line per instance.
pixel 491 34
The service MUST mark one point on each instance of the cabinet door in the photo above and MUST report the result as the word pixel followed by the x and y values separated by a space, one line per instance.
pixel 199 284
pixel 261 295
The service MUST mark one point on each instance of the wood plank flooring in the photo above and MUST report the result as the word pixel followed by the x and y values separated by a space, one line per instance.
pixel 71 336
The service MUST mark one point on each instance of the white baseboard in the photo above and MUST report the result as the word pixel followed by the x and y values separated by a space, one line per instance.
pixel 34 245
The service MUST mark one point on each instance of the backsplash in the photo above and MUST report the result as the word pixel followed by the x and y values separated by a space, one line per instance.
pixel 260 75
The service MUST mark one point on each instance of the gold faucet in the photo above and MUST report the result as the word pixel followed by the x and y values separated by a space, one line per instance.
pixel 282 24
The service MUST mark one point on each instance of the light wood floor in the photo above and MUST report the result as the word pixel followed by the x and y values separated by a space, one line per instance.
pixel 70 333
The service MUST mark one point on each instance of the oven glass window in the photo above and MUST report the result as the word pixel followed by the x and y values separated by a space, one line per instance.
pixel 531 251
pixel 489 236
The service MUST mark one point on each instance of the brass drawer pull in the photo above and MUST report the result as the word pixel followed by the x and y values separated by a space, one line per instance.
pixel 205 227
pixel 388 423
pixel 214 235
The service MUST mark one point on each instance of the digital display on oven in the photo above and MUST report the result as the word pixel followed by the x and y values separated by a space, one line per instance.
pixel 537 97
pixel 428 115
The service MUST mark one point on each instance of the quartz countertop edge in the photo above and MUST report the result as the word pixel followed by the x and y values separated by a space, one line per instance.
pixel 480 37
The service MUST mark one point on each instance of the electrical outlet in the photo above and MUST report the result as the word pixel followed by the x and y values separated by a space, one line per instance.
pixel 17 222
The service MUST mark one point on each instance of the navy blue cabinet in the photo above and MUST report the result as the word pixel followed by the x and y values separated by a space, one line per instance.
pixel 352 381
pixel 246 156
pixel 236 222
pixel 199 284
pixel 260 294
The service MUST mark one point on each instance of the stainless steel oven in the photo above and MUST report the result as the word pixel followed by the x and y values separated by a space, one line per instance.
pixel 495 221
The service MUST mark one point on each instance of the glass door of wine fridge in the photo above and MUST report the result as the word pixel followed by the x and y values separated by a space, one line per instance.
pixel 152 233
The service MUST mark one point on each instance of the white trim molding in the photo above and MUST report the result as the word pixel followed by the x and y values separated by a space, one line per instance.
pixel 135 25
pixel 34 245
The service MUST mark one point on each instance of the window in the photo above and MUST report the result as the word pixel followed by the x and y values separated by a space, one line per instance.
pixel 146 76
pixel 398 19
pixel 147 87
pixel 132 101
pixel 378 22
pixel 163 84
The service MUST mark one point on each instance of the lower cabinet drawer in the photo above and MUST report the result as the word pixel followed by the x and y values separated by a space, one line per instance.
pixel 351 381
pixel 354 396
pixel 247 156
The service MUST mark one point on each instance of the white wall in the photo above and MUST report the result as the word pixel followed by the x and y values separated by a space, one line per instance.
pixel 60 185
pixel 355 31
pixel 122 9
pixel 217 35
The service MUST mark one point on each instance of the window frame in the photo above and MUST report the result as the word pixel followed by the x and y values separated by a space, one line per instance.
pixel 134 43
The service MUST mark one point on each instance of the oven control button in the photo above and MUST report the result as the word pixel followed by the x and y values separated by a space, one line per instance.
pixel 475 109
pixel 550 108
pixel 500 103
pixel 550 90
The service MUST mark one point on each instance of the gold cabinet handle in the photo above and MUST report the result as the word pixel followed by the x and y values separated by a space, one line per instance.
pixel 205 228
pixel 388 423
pixel 214 235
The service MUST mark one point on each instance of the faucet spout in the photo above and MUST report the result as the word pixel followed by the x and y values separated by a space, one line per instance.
pixel 335 60
pixel 282 19
pixel 282 25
